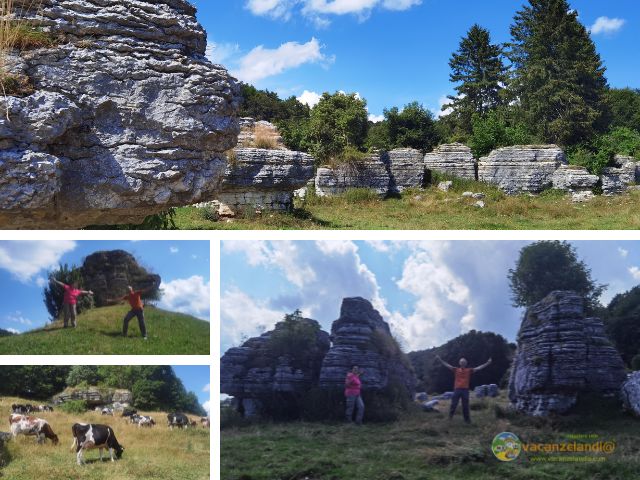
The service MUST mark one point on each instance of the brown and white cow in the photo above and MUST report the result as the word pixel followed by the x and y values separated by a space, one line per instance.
pixel 32 426
pixel 89 436
pixel 206 422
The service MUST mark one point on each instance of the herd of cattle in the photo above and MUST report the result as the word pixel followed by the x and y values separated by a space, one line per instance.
pixel 87 436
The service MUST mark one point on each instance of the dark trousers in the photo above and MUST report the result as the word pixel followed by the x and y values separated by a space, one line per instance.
pixel 460 393
pixel 129 316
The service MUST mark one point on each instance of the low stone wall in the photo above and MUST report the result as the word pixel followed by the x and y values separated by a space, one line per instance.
pixel 617 179
pixel 521 169
pixel 406 169
pixel 369 173
pixel 453 159
pixel 575 180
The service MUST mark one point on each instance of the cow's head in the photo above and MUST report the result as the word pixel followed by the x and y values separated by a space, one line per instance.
pixel 54 439
pixel 119 450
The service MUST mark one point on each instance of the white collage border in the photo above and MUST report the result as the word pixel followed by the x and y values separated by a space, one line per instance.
pixel 215 237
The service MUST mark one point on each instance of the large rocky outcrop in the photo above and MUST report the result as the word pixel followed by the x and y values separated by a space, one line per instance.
pixel 575 180
pixel 263 179
pixel 254 372
pixel 522 168
pixel 453 159
pixel 109 273
pixel 630 393
pixel 406 169
pixel 94 396
pixel 263 380
pixel 562 353
pixel 618 178
pixel 361 337
pixel 371 173
pixel 127 119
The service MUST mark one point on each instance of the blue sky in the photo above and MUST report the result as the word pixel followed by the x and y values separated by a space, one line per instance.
pixel 196 379
pixel 389 51
pixel 429 291
pixel 183 266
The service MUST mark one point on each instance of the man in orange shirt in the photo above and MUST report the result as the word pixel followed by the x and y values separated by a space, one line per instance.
pixel 134 297
pixel 461 385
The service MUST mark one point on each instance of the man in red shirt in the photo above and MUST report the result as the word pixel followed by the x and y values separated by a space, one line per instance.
pixel 461 385
pixel 134 297
pixel 352 387
pixel 70 301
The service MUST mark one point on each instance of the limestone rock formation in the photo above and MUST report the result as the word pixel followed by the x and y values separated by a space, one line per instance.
pixel 94 396
pixel 263 179
pixel 561 354
pixel 361 337
pixel 108 274
pixel 253 372
pixel 406 169
pixel 577 181
pixel 617 179
pixel 452 159
pixel 521 169
pixel 371 173
pixel 128 117
pixel 630 393
pixel 252 131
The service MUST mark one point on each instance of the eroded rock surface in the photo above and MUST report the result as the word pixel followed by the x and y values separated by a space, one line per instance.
pixel 453 159
pixel 617 179
pixel 94 396
pixel 406 169
pixel 576 181
pixel 630 393
pixel 521 169
pixel 370 173
pixel 562 353
pixel 128 117
pixel 109 273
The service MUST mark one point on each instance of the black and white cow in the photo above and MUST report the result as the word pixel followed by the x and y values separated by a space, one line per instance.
pixel 21 409
pixel 179 420
pixel 107 411
pixel 89 436
pixel 145 421
pixel 45 408
pixel 32 426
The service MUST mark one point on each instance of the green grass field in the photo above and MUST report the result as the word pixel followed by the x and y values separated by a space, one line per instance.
pixel 432 209
pixel 426 446
pixel 150 454
pixel 99 332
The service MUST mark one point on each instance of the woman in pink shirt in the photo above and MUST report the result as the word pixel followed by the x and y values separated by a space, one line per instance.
pixel 352 387
pixel 70 300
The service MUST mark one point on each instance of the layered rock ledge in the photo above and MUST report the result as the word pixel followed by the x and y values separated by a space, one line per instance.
pixel 453 159
pixel 128 117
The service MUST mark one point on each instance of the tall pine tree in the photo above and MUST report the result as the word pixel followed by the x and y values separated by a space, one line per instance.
pixel 478 68
pixel 558 82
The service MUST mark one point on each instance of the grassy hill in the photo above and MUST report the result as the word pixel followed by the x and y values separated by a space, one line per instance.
pixel 149 454
pixel 426 446
pixel 433 209
pixel 99 332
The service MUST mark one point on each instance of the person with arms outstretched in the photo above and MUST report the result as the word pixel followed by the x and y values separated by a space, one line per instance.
pixel 461 385
pixel 134 297
pixel 70 301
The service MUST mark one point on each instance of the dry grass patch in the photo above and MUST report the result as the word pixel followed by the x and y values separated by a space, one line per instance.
pixel 265 138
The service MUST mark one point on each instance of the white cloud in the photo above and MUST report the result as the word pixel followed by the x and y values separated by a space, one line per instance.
pixel 207 406
pixel 41 281
pixel 309 98
pixel 607 25
pixel 376 118
pixel 443 101
pixel 635 272
pixel 222 52
pixel 318 11
pixel 25 259
pixel 186 295
pixel 174 249
pixel 13 330
pixel 18 317
pixel 623 252
pixel 261 62
pixel 206 388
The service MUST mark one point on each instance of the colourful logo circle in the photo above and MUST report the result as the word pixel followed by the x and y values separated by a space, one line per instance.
pixel 506 446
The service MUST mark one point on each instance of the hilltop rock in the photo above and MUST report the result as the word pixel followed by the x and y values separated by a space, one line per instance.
pixel 617 179
pixel 406 169
pixel 453 159
pixel 521 169
pixel 263 179
pixel 371 173
pixel 108 274
pixel 361 337
pixel 94 396
pixel 630 393
pixel 561 354
pixel 253 372
pixel 128 117
pixel 575 180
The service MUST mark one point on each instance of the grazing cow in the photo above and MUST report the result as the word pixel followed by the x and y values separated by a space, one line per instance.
pixel 107 411
pixel 89 436
pixel 45 408
pixel 127 412
pixel 193 423
pixel 21 409
pixel 177 420
pixel 206 422
pixel 32 426
pixel 145 421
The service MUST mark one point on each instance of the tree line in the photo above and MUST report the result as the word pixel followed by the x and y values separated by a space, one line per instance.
pixel 547 85
pixel 153 387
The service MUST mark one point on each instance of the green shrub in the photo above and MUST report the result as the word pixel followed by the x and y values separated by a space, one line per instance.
pixel 210 213
pixel 74 406
pixel 493 131
pixel 230 418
